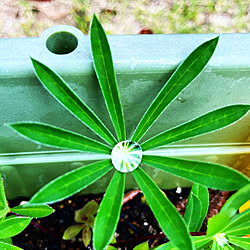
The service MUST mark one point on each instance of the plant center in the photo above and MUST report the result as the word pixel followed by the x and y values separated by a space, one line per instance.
pixel 126 156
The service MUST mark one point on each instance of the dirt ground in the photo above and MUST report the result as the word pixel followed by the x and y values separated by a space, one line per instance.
pixel 26 18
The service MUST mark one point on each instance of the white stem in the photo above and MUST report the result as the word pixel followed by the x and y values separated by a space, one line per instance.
pixel 49 157
pixel 201 149
pixel 76 156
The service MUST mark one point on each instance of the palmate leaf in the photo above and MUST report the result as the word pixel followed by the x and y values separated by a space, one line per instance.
pixel 238 220
pixel 206 123
pixel 65 95
pixel 54 136
pixel 221 220
pixel 240 230
pixel 166 214
pixel 71 182
pixel 104 69
pixel 209 174
pixel 109 211
pixel 188 70
pixel 240 241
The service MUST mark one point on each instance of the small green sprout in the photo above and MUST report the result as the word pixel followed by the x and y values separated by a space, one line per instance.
pixel 85 217
pixel 226 230
pixel 19 220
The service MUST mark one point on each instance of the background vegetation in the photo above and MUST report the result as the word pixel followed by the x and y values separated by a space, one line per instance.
pixel 21 18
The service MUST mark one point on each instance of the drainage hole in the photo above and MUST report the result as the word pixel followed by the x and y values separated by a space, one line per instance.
pixel 61 43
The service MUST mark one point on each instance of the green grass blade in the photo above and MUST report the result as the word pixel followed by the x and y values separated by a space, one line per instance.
pixel 104 68
pixel 13 226
pixel 239 241
pixel 206 123
pixel 209 174
pixel 58 137
pixel 71 182
pixel 65 95
pixel 4 208
pixel 33 210
pixel 188 70
pixel 109 212
pixel 166 214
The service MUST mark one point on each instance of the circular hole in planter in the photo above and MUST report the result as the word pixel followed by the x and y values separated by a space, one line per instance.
pixel 62 43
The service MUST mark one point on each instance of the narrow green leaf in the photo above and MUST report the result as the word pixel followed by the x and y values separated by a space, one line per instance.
pixel 7 240
pixel 58 137
pixel 240 241
pixel 240 230
pixel 65 95
pixel 217 223
pixel 202 193
pixel 109 212
pixel 13 226
pixel 227 247
pixel 209 174
pixel 166 214
pixel 221 220
pixel 198 241
pixel 238 220
pixel 142 246
pixel 188 70
pixel 113 241
pixel 193 212
pixel 4 208
pixel 72 231
pixel 90 209
pixel 71 182
pixel 104 68
pixel 7 246
pixel 236 201
pixel 206 123
pixel 216 246
pixel 33 210
pixel 86 235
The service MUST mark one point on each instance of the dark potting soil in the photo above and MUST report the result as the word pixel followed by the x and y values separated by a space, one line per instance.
pixel 136 225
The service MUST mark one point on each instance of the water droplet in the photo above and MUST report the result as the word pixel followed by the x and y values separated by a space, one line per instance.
pixel 126 156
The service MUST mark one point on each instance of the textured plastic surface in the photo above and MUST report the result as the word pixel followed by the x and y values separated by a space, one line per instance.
pixel 142 63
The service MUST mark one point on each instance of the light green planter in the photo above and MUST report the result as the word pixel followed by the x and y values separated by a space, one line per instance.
pixel 142 63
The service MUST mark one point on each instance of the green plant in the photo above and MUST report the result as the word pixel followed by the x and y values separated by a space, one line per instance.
pixel 226 230
pixel 85 219
pixel 127 155
pixel 19 220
